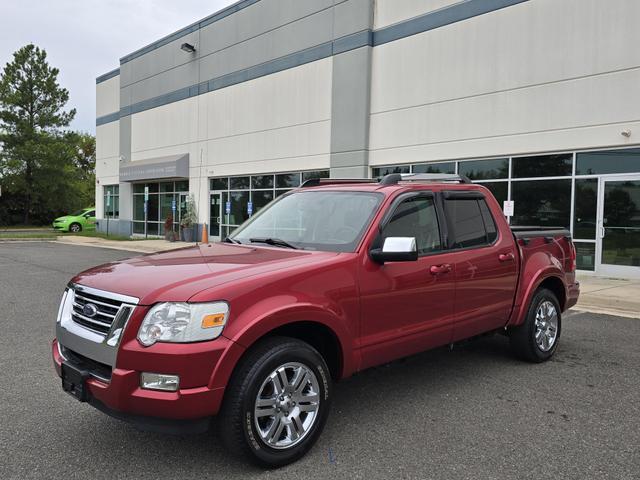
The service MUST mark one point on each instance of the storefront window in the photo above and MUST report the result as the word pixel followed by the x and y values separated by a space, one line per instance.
pixel 262 181
pixel 260 199
pixel 559 165
pixel 608 161
pixel 584 209
pixel 542 203
pixel 315 174
pixel 111 201
pixel 499 190
pixel 219 184
pixel 382 171
pixel 159 205
pixel 485 169
pixel 448 167
pixel 239 183
pixel 288 180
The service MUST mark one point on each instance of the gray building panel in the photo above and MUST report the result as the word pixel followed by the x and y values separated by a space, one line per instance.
pixel 246 45
pixel 291 38
pixel 125 138
pixel 262 17
pixel 350 108
pixel 352 16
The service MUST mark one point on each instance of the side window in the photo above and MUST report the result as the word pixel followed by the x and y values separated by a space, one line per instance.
pixel 92 213
pixel 416 217
pixel 489 224
pixel 471 222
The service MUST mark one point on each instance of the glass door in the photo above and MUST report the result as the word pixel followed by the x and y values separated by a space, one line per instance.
pixel 619 227
pixel 215 214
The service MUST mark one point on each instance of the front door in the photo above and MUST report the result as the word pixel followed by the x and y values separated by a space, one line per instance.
pixel 215 214
pixel 618 242
pixel 407 307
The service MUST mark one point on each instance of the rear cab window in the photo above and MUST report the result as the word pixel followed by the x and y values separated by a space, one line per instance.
pixel 469 219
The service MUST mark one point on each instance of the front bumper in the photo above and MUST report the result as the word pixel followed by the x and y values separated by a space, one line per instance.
pixel 186 411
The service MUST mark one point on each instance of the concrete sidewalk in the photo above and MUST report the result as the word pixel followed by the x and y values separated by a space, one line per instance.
pixel 597 294
pixel 611 296
pixel 144 246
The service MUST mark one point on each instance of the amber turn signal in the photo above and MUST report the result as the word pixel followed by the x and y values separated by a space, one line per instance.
pixel 211 321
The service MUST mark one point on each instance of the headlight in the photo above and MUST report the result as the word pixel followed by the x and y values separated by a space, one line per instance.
pixel 183 322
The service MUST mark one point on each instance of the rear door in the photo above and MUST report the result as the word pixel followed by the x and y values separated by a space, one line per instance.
pixel 485 264
pixel 407 307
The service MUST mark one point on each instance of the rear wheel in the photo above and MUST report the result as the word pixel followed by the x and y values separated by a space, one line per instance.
pixel 75 228
pixel 277 402
pixel 537 338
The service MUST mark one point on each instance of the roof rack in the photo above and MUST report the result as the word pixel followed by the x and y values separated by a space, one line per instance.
pixel 394 178
pixel 314 182
pixel 391 179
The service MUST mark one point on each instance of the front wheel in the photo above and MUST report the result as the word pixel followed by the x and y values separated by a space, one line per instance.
pixel 536 340
pixel 277 402
pixel 75 228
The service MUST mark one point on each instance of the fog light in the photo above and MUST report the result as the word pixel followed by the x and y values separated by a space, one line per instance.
pixel 158 381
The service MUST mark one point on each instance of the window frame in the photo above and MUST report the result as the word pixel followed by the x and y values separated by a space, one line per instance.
pixel 391 210
pixel 467 195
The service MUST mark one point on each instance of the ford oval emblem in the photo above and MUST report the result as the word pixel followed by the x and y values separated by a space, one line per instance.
pixel 90 310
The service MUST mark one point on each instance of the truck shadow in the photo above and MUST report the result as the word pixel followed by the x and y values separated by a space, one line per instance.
pixel 406 385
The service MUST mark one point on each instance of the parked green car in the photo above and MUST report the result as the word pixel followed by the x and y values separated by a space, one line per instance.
pixel 85 219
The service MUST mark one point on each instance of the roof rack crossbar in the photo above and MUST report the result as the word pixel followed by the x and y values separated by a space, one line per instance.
pixel 314 182
pixel 394 178
pixel 390 179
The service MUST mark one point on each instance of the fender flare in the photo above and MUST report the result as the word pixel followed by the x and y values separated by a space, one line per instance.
pixel 261 325
pixel 520 311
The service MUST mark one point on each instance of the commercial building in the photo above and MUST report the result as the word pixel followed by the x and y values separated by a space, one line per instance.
pixel 537 99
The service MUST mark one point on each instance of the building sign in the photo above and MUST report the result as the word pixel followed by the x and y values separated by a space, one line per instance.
pixel 173 166
pixel 508 208
pixel 227 208
pixel 173 205
pixel 250 208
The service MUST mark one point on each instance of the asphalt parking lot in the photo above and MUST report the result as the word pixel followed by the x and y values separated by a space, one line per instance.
pixel 474 412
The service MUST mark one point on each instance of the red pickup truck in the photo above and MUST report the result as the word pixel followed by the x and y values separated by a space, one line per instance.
pixel 329 279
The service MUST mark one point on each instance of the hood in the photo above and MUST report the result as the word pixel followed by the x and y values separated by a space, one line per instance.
pixel 179 274
pixel 66 218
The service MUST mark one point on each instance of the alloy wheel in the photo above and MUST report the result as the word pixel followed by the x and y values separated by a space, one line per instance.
pixel 287 404
pixel 546 325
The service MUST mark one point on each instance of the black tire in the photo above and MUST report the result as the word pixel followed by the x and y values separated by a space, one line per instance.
pixel 236 420
pixel 75 228
pixel 523 337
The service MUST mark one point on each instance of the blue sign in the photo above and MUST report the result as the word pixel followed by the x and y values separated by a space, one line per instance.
pixel 250 208
pixel 173 205
pixel 227 208
pixel 145 207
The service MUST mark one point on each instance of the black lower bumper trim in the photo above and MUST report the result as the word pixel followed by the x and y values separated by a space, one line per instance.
pixel 155 424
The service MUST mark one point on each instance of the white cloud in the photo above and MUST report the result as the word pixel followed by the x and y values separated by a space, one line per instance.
pixel 86 38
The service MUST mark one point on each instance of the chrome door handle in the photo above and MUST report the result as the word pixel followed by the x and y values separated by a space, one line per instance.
pixel 440 269
pixel 506 257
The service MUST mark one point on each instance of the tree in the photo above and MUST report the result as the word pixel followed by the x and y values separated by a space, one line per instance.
pixel 45 169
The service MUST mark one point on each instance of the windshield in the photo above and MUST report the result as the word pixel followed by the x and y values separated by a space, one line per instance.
pixel 78 213
pixel 314 220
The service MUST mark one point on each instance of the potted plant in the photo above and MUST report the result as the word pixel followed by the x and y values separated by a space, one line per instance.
pixel 169 234
pixel 189 219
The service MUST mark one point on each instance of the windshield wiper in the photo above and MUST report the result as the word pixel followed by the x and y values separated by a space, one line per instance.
pixel 231 240
pixel 277 242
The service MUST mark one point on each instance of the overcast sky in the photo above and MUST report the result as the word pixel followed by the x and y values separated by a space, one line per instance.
pixel 86 38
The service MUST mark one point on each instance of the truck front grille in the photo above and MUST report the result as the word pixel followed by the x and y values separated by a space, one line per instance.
pixel 94 312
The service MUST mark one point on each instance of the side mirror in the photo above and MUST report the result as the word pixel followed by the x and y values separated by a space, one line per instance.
pixel 396 249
